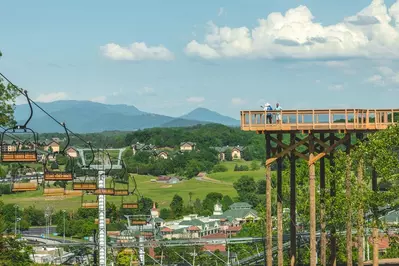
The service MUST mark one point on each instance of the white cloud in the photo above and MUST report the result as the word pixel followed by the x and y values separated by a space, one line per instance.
pixel 221 11
pixel 385 77
pixel 336 87
pixel 137 51
pixel 370 33
pixel 146 91
pixel 99 99
pixel 51 97
pixel 238 101
pixel 195 99
pixel 336 64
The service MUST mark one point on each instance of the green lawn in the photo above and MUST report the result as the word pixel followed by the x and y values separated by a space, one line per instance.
pixel 231 176
pixel 159 192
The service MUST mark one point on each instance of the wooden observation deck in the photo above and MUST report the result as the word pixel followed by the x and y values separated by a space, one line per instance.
pixel 310 135
pixel 319 120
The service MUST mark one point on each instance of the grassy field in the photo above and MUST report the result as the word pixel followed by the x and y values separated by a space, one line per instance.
pixel 230 176
pixel 159 192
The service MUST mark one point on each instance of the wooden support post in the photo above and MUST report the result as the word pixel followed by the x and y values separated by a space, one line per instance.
pixel 269 254
pixel 348 194
pixel 333 239
pixel 292 204
pixel 323 236
pixel 280 256
pixel 312 202
pixel 375 222
pixel 360 215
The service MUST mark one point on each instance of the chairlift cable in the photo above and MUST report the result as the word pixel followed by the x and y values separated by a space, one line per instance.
pixel 44 111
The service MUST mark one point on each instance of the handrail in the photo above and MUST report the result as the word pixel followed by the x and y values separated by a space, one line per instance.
pixel 320 119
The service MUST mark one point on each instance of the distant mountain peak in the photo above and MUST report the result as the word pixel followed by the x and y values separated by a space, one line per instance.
pixel 204 114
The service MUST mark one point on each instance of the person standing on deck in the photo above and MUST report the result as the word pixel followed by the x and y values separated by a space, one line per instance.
pixel 278 115
pixel 268 107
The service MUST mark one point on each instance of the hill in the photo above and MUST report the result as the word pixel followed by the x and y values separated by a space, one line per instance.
pixel 203 114
pixel 90 117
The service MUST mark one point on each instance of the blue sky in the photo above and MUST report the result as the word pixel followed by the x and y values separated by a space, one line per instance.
pixel 170 57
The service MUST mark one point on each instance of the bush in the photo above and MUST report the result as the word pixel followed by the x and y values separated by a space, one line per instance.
pixel 219 168
pixel 241 168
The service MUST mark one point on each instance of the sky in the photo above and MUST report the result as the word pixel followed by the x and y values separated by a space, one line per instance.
pixel 169 57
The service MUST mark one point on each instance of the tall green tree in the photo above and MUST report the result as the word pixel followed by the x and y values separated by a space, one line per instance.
pixel 177 205
pixel 8 93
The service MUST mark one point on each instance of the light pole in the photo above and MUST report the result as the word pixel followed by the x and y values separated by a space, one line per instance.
pixel 15 226
pixel 46 234
pixel 19 225
pixel 63 211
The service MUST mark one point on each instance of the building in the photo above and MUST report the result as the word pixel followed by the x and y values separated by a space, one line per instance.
pixel 161 154
pixel 239 213
pixel 236 152
pixel 9 146
pixel 139 147
pixel 220 224
pixel 52 146
pixel 72 152
pixel 168 179
pixel 187 146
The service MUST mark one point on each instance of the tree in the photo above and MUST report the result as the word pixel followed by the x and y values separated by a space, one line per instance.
pixel 8 93
pixel 255 165
pixel 219 168
pixel 261 187
pixel 177 205
pixel 244 185
pixel 226 202
pixel 210 200
pixel 14 252
pixel 165 213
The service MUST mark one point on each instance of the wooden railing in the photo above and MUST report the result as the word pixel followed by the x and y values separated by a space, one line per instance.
pixel 323 119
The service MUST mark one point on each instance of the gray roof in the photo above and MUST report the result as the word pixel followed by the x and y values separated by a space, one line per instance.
pixel 187 142
pixel 225 148
pixel 240 205
pixel 195 222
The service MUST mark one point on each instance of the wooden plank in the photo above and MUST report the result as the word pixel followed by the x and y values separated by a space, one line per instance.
pixel 285 151
pixel 328 150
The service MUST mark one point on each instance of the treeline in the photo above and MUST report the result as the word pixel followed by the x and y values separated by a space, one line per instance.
pixel 210 135
pixel 187 164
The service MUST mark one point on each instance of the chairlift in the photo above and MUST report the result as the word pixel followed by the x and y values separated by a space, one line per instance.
pixel 133 199
pixel 106 190
pixel 56 175
pixel 140 219
pixel 22 153
pixel 124 182
pixel 89 182
pixel 89 204
pixel 25 186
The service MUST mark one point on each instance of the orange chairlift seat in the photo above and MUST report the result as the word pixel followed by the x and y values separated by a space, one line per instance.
pixel 20 153
pixel 123 188
pixel 89 204
pixel 57 175
pixel 22 187
pixel 139 219
pixel 89 182
pixel 51 192
pixel 133 199
pixel 25 186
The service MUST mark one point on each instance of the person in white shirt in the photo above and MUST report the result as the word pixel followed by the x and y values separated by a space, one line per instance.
pixel 278 115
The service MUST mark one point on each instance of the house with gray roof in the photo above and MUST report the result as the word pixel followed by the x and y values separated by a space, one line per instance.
pixel 187 146
pixel 142 147
pixel 236 152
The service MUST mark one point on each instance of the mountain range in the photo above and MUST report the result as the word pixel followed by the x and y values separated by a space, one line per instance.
pixel 89 117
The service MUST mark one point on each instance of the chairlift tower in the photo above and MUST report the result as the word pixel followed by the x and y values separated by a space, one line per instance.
pixel 102 226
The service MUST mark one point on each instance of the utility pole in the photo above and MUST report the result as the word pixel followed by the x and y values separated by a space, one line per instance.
pixel 63 211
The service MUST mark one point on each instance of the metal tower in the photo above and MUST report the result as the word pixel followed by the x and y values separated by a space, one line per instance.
pixel 102 227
